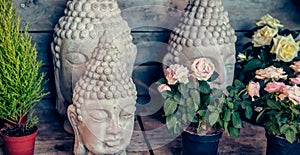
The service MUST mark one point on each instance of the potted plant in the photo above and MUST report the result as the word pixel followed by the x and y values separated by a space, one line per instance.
pixel 192 106
pixel 268 80
pixel 20 82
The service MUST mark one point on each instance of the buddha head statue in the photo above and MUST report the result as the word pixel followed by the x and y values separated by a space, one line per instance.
pixel 76 36
pixel 104 98
pixel 204 31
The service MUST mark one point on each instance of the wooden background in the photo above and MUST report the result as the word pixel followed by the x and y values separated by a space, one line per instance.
pixel 151 22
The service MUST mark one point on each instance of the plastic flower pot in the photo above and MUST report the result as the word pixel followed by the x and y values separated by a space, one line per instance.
pixel 23 145
pixel 193 144
pixel 280 146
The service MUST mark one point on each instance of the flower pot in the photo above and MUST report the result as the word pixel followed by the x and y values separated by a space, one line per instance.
pixel 193 144
pixel 23 145
pixel 280 146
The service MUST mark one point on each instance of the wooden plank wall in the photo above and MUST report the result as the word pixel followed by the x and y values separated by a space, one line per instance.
pixel 151 22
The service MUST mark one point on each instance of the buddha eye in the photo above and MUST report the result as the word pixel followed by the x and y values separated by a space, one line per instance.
pixel 98 115
pixel 76 58
pixel 128 112
pixel 126 115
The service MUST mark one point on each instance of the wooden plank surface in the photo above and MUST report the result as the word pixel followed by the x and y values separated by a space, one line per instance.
pixel 44 14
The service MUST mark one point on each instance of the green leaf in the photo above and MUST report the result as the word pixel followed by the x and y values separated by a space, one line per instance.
pixel 295 111
pixel 284 128
pixel 202 113
pixel 173 125
pixel 230 105
pixel 273 104
pixel 190 115
pixel 191 105
pixel 236 120
pixel 177 127
pixel 177 98
pixel 234 132
pixel 245 103
pixel 184 118
pixel 162 81
pixel 211 108
pixel 166 94
pixel 183 90
pixel 204 87
pixel 170 122
pixel 214 76
pixel 195 96
pixel 212 118
pixel 191 84
pixel 290 136
pixel 253 64
pixel 169 106
pixel 227 116
pixel 239 83
pixel 248 112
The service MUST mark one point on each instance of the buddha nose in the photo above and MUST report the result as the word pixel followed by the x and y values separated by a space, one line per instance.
pixel 113 127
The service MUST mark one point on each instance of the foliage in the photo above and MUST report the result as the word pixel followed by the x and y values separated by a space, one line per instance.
pixel 20 80
pixel 267 78
pixel 189 99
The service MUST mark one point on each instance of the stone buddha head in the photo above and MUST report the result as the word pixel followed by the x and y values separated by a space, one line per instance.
pixel 104 98
pixel 204 31
pixel 76 36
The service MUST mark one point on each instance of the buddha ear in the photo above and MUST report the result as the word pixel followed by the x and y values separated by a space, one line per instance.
pixel 78 145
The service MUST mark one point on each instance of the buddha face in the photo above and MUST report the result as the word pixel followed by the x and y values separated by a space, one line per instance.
pixel 74 55
pixel 224 61
pixel 107 125
pixel 222 56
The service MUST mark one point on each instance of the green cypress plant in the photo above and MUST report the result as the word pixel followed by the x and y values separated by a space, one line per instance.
pixel 20 80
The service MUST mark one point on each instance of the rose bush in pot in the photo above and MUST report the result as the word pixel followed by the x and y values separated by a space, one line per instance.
pixel 268 79
pixel 191 104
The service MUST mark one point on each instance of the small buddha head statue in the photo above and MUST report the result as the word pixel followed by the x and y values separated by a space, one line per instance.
pixel 104 98
pixel 204 31
pixel 76 36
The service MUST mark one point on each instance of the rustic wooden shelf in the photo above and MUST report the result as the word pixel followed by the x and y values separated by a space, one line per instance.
pixel 52 140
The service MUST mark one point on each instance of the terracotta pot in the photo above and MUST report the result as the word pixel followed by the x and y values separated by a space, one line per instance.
pixel 280 146
pixel 193 144
pixel 23 145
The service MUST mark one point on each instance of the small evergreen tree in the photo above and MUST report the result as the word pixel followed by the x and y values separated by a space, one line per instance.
pixel 20 80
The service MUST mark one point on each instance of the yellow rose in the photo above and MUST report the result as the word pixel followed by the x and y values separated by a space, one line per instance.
pixel 263 36
pixel 269 20
pixel 285 48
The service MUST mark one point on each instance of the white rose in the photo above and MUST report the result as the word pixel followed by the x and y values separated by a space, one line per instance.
pixel 263 36
pixel 177 73
pixel 293 93
pixel 202 69
pixel 285 48
pixel 269 20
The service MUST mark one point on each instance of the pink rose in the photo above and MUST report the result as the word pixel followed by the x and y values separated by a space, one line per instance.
pixel 202 69
pixel 270 73
pixel 273 87
pixel 295 81
pixel 293 93
pixel 282 96
pixel 177 73
pixel 163 87
pixel 253 89
pixel 296 66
